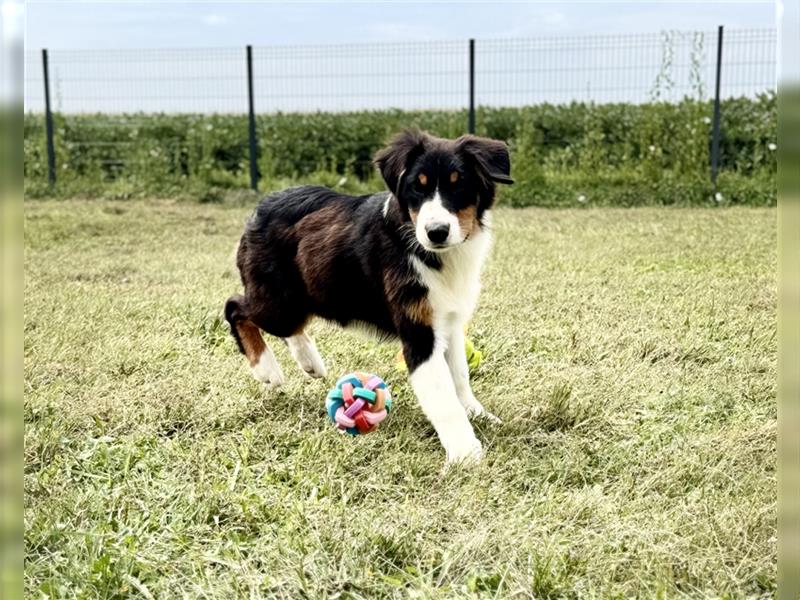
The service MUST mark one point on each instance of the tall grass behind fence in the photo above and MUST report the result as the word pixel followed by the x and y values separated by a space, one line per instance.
pixel 620 119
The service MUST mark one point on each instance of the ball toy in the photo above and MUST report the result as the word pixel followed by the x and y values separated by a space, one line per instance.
pixel 474 356
pixel 358 403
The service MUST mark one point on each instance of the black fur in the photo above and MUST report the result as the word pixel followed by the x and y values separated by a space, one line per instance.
pixel 310 251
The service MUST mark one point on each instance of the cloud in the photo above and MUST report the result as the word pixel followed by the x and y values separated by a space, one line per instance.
pixel 214 20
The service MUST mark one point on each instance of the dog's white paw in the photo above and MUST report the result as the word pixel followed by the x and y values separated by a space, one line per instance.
pixel 317 372
pixel 305 353
pixel 267 370
pixel 466 452
pixel 314 368
pixel 475 410
pixel 485 414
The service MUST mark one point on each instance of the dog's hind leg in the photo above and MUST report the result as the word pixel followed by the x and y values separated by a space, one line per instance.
pixel 304 351
pixel 247 334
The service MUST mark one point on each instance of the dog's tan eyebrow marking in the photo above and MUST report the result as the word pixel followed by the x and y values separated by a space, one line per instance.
pixel 453 176
pixel 423 179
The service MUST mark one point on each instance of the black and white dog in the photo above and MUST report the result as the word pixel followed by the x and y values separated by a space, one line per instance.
pixel 404 263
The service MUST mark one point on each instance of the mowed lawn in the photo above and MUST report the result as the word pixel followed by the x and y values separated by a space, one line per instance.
pixel 631 354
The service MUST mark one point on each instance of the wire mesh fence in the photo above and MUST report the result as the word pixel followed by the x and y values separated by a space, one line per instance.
pixel 416 75
pixel 114 95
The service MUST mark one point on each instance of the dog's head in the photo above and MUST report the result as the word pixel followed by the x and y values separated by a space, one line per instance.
pixel 443 186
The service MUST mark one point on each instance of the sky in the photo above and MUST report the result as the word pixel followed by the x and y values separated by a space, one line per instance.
pixel 192 57
pixel 115 24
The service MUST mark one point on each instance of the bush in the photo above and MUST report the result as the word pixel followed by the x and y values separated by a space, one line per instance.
pixel 563 155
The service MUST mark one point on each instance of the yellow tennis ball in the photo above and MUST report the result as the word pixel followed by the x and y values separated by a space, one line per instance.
pixel 474 357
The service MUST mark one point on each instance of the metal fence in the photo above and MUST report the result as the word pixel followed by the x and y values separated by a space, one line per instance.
pixel 635 68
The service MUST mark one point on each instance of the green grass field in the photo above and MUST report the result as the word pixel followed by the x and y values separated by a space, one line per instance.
pixel 630 353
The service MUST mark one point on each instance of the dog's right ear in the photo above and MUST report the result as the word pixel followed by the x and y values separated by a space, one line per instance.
pixel 399 155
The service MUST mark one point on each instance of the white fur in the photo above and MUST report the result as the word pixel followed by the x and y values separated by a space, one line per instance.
pixel 433 212
pixel 453 290
pixel 304 351
pixel 437 398
pixel 365 330
pixel 267 369
pixel 442 382
pixel 456 358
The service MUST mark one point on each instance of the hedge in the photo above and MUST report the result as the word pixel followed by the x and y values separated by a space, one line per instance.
pixel 562 155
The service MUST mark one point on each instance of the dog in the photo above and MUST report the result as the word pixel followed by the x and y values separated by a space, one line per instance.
pixel 404 263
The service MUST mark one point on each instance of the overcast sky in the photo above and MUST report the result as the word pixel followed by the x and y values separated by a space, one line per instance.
pixel 117 24
pixel 548 57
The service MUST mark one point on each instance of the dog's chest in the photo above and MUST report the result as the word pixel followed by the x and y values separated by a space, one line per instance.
pixel 453 290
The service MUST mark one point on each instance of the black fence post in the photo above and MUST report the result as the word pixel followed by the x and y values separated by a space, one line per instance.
pixel 471 124
pixel 252 122
pixel 48 123
pixel 715 130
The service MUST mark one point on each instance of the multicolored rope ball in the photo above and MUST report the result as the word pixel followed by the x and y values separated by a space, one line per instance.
pixel 358 403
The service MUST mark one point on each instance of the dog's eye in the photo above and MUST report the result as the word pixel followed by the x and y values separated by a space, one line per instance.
pixel 423 179
pixel 453 176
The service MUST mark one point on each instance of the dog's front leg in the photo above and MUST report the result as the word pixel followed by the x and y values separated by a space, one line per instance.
pixel 456 357
pixel 436 393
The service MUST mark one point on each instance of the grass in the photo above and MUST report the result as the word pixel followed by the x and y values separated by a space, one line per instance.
pixel 630 353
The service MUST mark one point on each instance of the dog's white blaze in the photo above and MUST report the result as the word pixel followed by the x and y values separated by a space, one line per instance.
pixel 267 368
pixel 386 206
pixel 437 397
pixel 433 211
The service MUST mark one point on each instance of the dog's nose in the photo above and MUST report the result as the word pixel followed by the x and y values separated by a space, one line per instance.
pixel 438 232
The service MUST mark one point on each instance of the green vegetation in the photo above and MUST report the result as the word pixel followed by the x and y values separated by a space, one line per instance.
pixel 630 352
pixel 580 154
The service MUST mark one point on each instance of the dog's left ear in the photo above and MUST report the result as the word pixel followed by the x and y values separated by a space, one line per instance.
pixel 491 157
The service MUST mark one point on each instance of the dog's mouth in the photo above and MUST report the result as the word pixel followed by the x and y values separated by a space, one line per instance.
pixel 441 248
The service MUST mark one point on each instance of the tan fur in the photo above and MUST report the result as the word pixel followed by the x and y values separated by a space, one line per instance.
pixel 252 341
pixel 468 220
pixel 419 311
pixel 321 236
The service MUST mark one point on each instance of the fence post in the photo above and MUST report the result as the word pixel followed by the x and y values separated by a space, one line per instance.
pixel 48 123
pixel 252 122
pixel 715 130
pixel 471 124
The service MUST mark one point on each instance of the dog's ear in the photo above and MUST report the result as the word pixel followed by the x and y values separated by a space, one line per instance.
pixel 399 155
pixel 490 156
